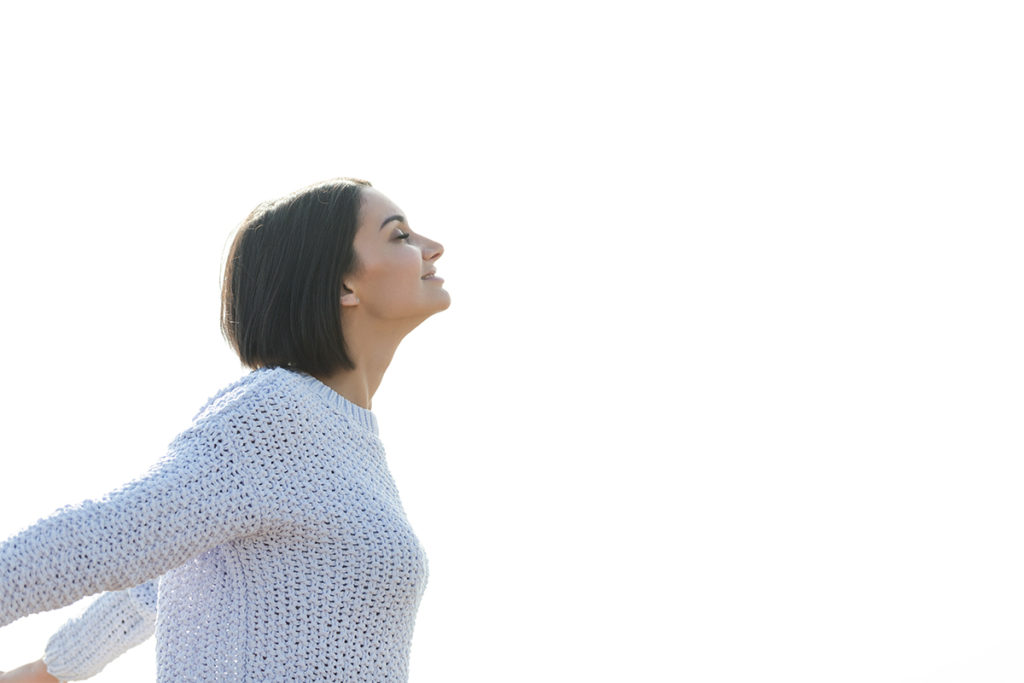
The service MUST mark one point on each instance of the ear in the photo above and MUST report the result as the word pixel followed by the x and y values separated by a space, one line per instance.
pixel 348 297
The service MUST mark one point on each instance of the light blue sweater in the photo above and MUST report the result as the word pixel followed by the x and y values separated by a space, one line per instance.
pixel 269 544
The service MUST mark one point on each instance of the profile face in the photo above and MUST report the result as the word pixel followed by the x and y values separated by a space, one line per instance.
pixel 395 260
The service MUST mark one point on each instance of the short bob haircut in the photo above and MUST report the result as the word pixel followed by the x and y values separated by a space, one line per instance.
pixel 282 286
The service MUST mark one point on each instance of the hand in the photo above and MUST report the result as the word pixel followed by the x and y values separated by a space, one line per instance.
pixel 30 673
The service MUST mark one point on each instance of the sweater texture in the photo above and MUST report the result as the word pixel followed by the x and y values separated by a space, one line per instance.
pixel 268 544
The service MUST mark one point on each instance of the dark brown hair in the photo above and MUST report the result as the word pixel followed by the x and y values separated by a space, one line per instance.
pixel 281 293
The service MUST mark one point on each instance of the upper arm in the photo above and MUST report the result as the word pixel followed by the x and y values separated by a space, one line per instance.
pixel 201 494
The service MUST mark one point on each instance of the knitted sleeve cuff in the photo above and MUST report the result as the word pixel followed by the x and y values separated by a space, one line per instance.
pixel 110 626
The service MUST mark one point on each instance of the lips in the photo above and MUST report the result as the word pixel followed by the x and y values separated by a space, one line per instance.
pixel 429 275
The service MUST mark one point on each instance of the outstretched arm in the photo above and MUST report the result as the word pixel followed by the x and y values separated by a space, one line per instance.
pixel 198 496
pixel 112 625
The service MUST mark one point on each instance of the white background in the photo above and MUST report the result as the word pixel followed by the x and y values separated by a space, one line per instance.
pixel 731 384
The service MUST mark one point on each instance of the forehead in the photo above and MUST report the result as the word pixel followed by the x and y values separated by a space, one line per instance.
pixel 376 207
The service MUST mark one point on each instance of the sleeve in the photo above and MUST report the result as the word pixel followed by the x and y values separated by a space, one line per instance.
pixel 112 625
pixel 200 495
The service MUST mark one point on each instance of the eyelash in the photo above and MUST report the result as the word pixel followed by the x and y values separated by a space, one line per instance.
pixel 403 236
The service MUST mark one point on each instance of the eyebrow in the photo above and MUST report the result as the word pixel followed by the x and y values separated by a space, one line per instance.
pixel 391 218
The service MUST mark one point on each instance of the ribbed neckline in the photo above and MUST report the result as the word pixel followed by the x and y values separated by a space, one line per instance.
pixel 358 414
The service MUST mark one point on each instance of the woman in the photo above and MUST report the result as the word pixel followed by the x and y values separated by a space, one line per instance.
pixel 270 542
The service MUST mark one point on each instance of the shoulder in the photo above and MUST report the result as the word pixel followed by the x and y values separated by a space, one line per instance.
pixel 246 412
pixel 258 387
pixel 260 396
pixel 275 404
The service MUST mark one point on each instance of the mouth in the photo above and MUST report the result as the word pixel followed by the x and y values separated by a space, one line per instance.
pixel 431 276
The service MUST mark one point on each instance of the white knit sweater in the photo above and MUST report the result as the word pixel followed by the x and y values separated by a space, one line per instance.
pixel 269 544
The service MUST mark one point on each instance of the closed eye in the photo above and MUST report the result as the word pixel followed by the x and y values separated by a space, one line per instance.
pixel 403 236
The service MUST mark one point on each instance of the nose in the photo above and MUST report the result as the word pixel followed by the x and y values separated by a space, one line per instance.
pixel 432 250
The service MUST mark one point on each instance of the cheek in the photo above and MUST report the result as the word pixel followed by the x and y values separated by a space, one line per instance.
pixel 396 277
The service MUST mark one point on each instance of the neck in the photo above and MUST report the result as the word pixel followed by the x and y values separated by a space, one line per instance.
pixel 372 353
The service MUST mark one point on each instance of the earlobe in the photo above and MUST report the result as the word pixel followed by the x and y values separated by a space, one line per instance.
pixel 349 299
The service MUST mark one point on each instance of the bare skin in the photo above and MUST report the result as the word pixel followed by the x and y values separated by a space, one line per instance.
pixel 387 298
pixel 30 673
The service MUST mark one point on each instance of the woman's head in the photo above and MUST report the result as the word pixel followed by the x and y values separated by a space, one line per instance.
pixel 297 261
